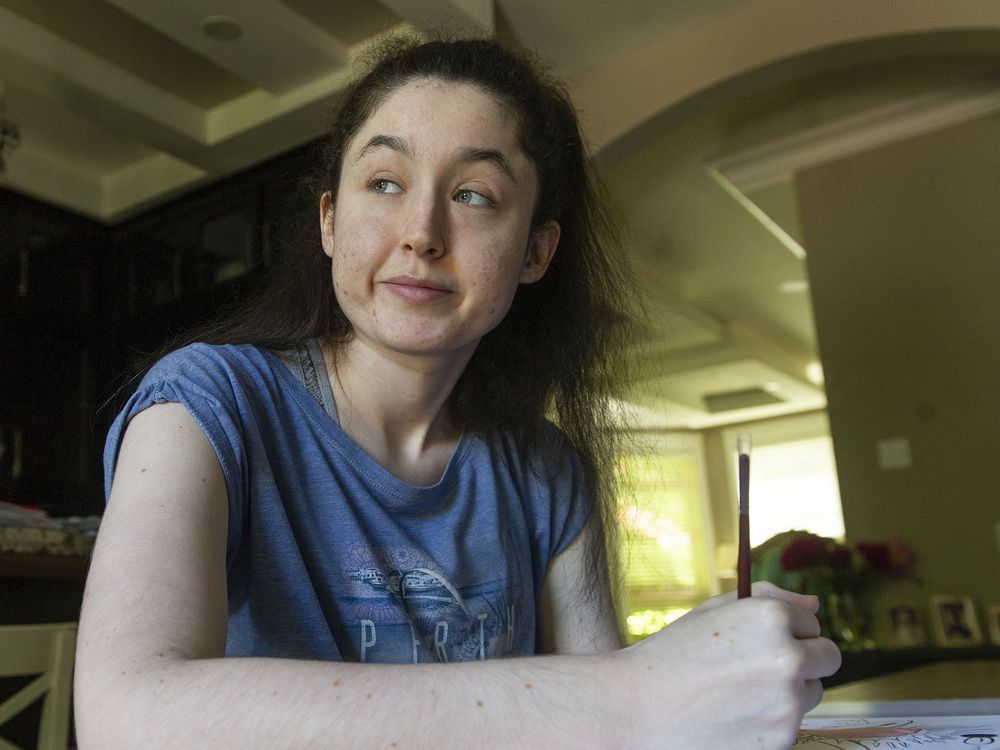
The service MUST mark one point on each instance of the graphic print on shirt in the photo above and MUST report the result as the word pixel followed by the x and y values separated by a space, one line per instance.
pixel 403 608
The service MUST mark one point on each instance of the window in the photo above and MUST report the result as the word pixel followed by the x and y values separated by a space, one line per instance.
pixel 666 534
pixel 793 478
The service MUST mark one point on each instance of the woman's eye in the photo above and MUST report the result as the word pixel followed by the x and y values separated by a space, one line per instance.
pixel 382 185
pixel 472 198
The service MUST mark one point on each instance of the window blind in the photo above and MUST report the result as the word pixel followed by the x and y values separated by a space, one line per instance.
pixel 665 539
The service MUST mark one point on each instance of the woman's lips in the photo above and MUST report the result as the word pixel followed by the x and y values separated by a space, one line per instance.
pixel 415 290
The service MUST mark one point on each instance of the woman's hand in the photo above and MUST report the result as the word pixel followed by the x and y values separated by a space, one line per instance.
pixel 730 673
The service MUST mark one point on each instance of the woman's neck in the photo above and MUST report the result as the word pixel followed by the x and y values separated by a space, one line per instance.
pixel 395 407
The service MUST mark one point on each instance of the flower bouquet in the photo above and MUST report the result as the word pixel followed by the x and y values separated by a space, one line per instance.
pixel 841 575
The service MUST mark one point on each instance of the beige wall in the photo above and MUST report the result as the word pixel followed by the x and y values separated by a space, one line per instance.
pixel 903 248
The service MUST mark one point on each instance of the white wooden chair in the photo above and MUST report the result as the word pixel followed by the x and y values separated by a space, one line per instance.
pixel 48 651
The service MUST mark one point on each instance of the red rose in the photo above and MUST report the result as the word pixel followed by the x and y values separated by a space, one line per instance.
pixel 840 557
pixel 804 551
pixel 876 554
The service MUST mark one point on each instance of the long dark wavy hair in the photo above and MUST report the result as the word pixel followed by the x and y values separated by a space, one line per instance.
pixel 560 352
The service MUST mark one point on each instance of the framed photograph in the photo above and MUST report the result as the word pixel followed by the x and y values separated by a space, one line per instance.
pixel 993 618
pixel 955 622
pixel 906 625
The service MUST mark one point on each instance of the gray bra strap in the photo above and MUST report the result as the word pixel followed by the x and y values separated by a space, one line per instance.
pixel 308 365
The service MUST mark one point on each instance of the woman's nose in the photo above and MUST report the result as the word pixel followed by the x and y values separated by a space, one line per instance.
pixel 424 231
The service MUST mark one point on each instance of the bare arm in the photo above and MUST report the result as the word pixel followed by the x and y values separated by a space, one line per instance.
pixel 152 637
pixel 576 614
pixel 150 671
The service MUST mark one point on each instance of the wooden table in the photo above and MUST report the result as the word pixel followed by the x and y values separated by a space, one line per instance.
pixel 942 688
pixel 49 567
pixel 943 680
pixel 40 587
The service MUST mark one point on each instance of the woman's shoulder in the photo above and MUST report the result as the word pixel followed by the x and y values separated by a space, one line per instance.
pixel 540 447
pixel 213 367
pixel 200 356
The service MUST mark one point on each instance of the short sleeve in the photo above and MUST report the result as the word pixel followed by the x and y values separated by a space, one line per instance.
pixel 571 505
pixel 210 390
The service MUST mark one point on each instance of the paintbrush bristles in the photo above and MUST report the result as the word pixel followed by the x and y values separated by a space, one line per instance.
pixel 743 443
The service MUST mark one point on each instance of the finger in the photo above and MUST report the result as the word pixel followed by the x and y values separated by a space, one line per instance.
pixel 812 695
pixel 716 601
pixel 780 617
pixel 776 614
pixel 764 589
pixel 823 658
pixel 807 602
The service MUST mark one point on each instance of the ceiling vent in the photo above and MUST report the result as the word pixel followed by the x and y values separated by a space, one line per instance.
pixel 742 399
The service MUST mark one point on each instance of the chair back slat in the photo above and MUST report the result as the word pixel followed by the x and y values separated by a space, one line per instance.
pixel 24 697
pixel 48 651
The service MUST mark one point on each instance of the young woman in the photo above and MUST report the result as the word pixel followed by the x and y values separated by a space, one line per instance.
pixel 328 518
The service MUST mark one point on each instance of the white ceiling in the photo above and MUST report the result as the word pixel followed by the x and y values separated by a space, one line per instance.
pixel 699 112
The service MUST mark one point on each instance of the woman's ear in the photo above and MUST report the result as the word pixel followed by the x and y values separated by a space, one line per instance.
pixel 541 247
pixel 326 222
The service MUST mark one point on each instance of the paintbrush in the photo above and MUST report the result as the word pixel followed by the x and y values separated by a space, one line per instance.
pixel 743 558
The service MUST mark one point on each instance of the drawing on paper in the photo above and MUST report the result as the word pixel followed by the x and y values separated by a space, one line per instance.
pixel 900 734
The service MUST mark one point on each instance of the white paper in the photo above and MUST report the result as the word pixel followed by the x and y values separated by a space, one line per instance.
pixel 898 733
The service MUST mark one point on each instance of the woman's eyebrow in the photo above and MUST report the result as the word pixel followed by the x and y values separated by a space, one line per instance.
pixel 489 155
pixel 468 155
pixel 393 142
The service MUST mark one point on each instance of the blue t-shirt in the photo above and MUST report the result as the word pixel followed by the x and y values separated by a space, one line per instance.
pixel 330 556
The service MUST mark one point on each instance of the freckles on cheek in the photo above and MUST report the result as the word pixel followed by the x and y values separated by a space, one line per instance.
pixel 339 275
pixel 346 272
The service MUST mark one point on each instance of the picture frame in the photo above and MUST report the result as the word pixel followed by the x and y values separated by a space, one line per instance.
pixel 993 620
pixel 906 625
pixel 955 621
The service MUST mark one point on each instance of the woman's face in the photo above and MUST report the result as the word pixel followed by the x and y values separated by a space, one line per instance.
pixel 431 232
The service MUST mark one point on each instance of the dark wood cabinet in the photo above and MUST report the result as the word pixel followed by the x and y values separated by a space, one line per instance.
pixel 47 349
pixel 179 264
pixel 84 304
